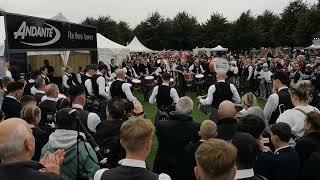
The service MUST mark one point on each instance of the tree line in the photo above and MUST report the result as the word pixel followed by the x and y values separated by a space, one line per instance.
pixel 296 26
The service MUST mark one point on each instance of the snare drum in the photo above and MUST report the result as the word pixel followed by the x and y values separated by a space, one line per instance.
pixel 199 79
pixel 149 80
pixel 136 83
pixel 188 77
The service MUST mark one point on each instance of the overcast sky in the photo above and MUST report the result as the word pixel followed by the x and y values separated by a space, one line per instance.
pixel 134 11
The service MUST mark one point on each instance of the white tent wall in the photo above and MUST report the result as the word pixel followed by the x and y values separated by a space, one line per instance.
pixel 136 46
pixel 2 46
pixel 108 50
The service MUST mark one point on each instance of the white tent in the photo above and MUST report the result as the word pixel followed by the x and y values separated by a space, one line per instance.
pixel 108 50
pixel 136 46
pixel 315 44
pixel 219 48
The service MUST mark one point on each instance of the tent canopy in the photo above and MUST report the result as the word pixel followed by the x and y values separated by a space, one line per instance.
pixel 315 44
pixel 2 35
pixel 219 48
pixel 136 46
pixel 108 50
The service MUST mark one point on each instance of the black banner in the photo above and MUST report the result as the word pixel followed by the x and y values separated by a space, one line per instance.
pixel 25 33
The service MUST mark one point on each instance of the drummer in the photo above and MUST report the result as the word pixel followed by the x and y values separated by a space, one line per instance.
pixel 210 74
pixel 160 70
pixel 129 71
pixel 120 89
pixel 144 70
pixel 165 96
pixel 196 67
pixel 181 69
pixel 220 92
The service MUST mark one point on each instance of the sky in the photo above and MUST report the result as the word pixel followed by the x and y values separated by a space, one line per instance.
pixel 135 11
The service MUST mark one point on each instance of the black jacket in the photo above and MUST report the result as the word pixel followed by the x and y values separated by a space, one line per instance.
pixel 265 165
pixel 308 148
pixel 41 138
pixel 25 170
pixel 173 135
pixel 190 160
pixel 287 164
pixel 11 108
pixel 108 138
pixel 227 128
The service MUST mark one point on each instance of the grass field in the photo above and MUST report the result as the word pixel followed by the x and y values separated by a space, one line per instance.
pixel 151 111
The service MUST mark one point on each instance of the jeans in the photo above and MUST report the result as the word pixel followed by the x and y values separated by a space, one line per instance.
pixel 268 87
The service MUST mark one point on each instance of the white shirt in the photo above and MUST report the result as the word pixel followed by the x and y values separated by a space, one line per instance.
pixel 53 99
pixel 133 72
pixel 235 69
pixel 65 78
pixel 173 94
pixel 266 75
pixel 212 89
pixel 126 88
pixel 79 78
pixel 295 119
pixel 244 173
pixel 277 150
pixel 250 68
pixel 159 70
pixel 193 66
pixel 11 97
pixel 101 81
pixel 40 91
pixel 93 118
pixel 8 74
pixel 33 90
pixel 272 104
pixel 130 163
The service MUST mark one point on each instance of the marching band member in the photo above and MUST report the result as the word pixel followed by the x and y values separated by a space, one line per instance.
pixel 164 95
pixel 196 68
pixel 44 73
pixel 67 79
pixel 181 69
pixel 129 70
pixel 120 88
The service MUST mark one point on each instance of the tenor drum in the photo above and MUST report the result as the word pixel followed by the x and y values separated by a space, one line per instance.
pixel 199 79
pixel 149 80
pixel 188 77
pixel 136 83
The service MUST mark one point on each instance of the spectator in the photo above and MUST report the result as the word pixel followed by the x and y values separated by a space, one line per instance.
pixel 65 137
pixel 63 103
pixel 136 139
pixel 173 135
pixel 227 124
pixel 11 106
pixel 49 107
pixel 301 97
pixel 3 90
pixel 16 151
pixel 32 115
pixel 40 86
pixel 28 100
pixel 308 147
pixel 247 148
pixel 216 160
pixel 248 100
pixel 265 162
pixel 108 132
pixel 287 159
pixel 208 130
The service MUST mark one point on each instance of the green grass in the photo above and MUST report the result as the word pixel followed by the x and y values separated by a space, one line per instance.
pixel 151 111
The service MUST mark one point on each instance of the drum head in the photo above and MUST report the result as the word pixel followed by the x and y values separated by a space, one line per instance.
pixel 149 77
pixel 136 81
pixel 199 76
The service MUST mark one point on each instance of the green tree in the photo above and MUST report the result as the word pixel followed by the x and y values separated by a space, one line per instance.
pixel 124 33
pixel 265 23
pixel 216 30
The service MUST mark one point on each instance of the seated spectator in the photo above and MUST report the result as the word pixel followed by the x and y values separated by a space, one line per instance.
pixel 173 135
pixel 308 147
pixel 227 125
pixel 28 100
pixel 16 151
pixel 247 148
pixel 208 130
pixel 216 160
pixel 40 86
pixel 108 132
pixel 11 105
pixel 287 159
pixel 248 100
pixel 32 115
pixel 65 137
pixel 63 103
pixel 265 162
pixel 136 139
pixel 49 107
pixel 301 94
